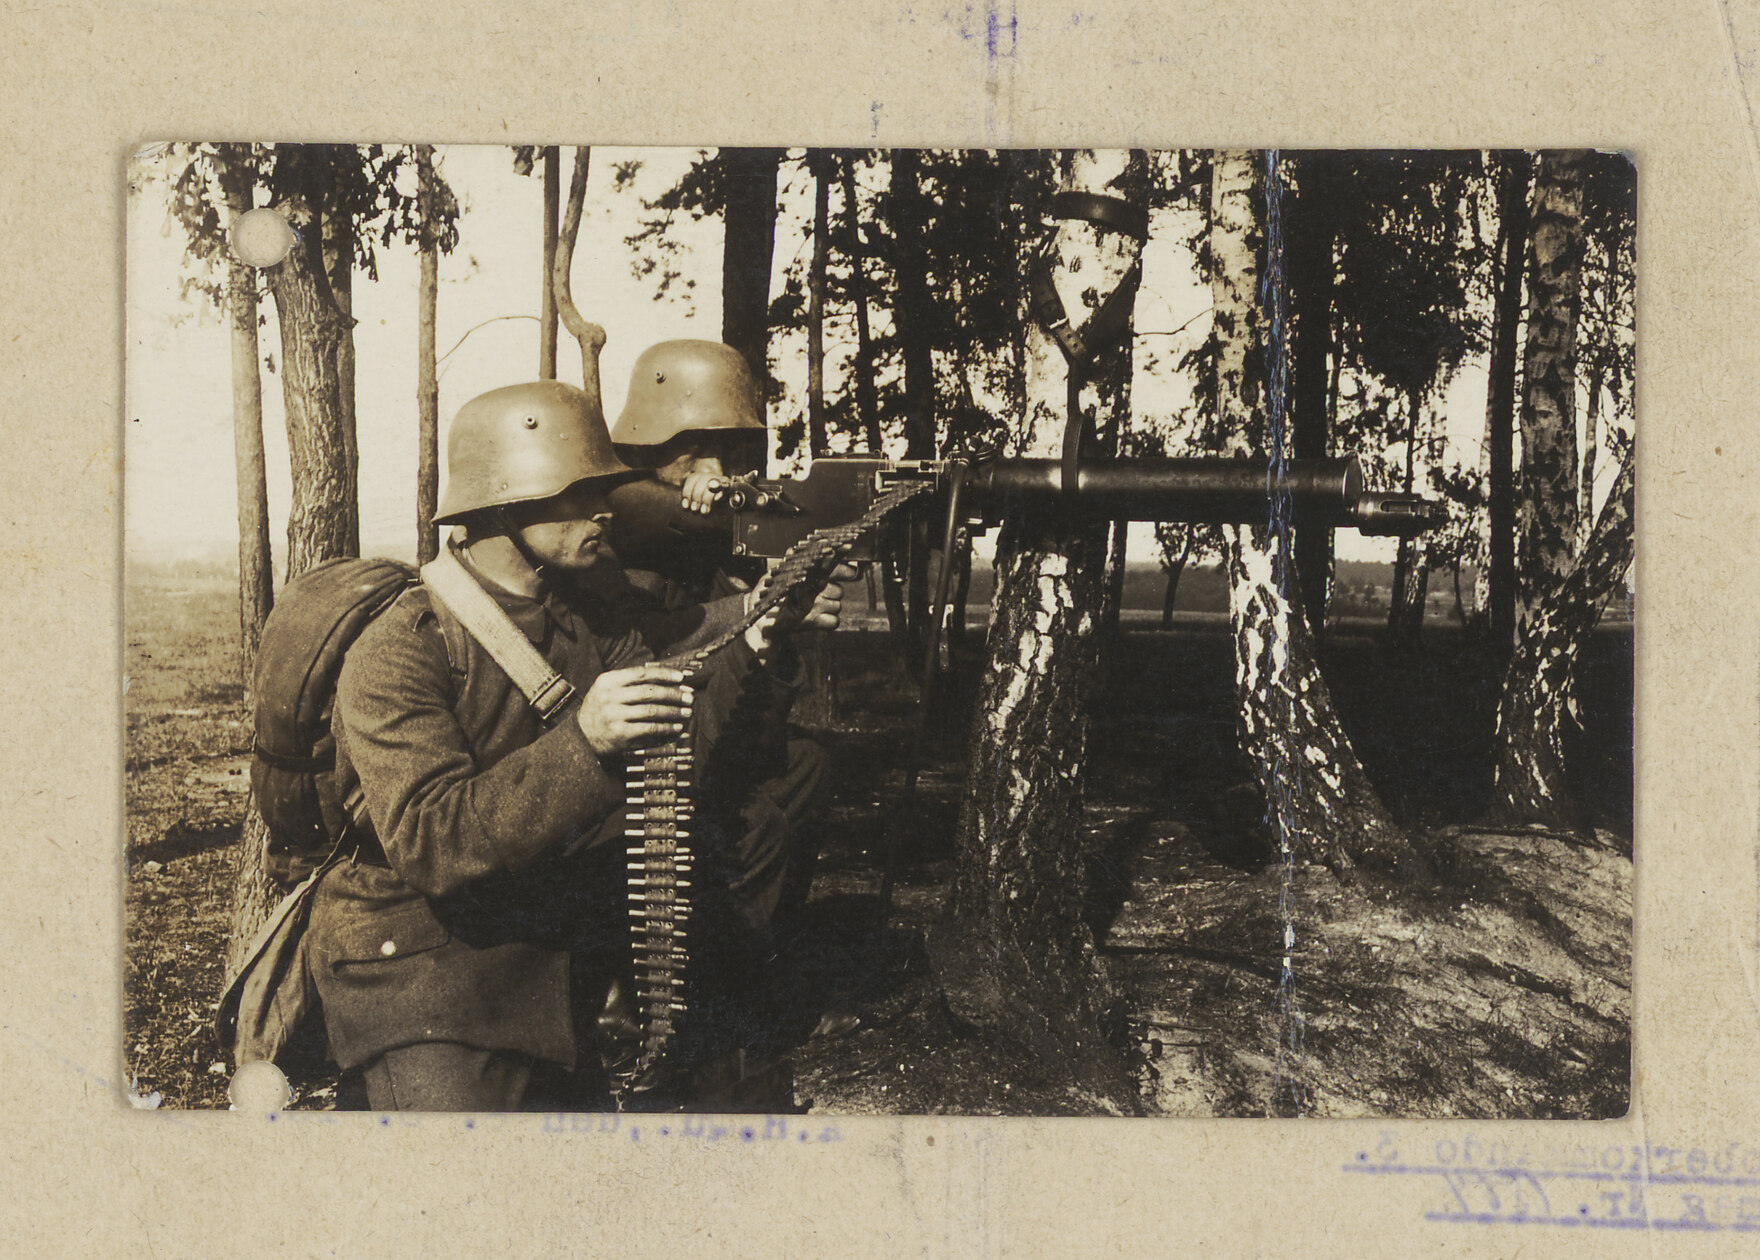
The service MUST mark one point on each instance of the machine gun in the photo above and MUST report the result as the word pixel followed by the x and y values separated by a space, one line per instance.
pixel 766 517
pixel 837 509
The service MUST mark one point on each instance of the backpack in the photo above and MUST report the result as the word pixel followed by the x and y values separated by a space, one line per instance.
pixel 293 764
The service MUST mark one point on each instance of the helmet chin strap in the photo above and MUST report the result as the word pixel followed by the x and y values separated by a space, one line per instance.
pixel 511 532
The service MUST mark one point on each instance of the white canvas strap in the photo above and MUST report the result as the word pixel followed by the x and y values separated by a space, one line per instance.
pixel 488 623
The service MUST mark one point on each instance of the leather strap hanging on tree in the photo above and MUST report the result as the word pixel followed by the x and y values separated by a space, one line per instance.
pixel 1080 344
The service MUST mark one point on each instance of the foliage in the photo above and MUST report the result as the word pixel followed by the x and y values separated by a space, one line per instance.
pixel 372 187
pixel 972 246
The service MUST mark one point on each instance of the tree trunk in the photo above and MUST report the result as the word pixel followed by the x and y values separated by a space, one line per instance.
pixel 1547 513
pixel 817 702
pixel 1310 278
pixel 867 395
pixel 913 317
pixel 1116 560
pixel 590 335
pixel 1018 957
pixel 253 895
pixel 1500 402
pixel 256 574
pixel 1411 568
pixel 818 440
pixel 323 520
pixel 1174 568
pixel 1414 594
pixel 427 380
pixel 1530 781
pixel 1398 620
pixel 546 293
pixel 958 640
pixel 339 232
pixel 746 251
pixel 1319 801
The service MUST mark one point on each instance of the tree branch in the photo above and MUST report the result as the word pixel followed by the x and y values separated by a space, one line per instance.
pixel 590 335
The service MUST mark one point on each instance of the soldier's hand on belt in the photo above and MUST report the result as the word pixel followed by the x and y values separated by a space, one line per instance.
pixel 633 708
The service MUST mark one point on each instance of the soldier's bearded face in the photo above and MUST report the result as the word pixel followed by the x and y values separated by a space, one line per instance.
pixel 567 532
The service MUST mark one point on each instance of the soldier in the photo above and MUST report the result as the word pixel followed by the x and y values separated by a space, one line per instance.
pixel 489 880
pixel 694 418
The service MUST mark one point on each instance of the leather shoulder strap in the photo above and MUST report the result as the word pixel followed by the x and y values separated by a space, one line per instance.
pixel 448 581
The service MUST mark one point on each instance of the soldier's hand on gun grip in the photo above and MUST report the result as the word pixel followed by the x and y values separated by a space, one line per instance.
pixel 827 610
pixel 701 489
pixel 633 708
pixel 825 614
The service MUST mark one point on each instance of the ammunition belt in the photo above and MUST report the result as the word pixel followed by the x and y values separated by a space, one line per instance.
pixel 659 788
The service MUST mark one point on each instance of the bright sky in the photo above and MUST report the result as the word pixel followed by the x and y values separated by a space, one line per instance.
pixel 179 471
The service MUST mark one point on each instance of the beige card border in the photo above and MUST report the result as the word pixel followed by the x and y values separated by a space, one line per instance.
pixel 87 83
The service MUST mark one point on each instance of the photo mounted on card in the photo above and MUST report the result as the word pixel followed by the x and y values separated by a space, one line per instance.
pixel 880 632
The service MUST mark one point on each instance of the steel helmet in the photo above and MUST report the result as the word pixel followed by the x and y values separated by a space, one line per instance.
pixel 521 443
pixel 681 386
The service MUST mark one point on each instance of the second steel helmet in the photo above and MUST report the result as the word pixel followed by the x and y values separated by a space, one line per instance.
pixel 683 386
pixel 521 443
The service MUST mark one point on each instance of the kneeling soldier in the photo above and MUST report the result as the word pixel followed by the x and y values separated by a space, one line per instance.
pixel 694 419
pixel 489 882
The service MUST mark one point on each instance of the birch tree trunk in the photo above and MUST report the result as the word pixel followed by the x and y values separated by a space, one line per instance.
pixel 427 379
pixel 323 520
pixel 1546 514
pixel 1530 782
pixel 1591 445
pixel 1318 798
pixel 1561 595
pixel 256 574
pixel 1017 957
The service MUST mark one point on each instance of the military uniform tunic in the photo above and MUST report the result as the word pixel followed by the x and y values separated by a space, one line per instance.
pixel 498 854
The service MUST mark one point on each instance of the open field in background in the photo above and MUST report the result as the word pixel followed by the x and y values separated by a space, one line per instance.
pixel 187 781
pixel 1501 990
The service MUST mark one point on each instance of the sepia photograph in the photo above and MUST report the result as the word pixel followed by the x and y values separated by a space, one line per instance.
pixel 1133 633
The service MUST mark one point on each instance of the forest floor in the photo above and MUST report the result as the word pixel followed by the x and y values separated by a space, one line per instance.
pixel 1499 989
